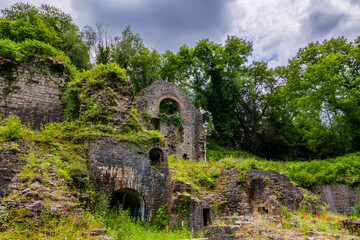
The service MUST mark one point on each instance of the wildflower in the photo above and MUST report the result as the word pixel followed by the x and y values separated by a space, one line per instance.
pixel 293 206
pixel 317 214
pixel 33 213
pixel 327 219
pixel 64 212
pixel 303 216
pixel 37 206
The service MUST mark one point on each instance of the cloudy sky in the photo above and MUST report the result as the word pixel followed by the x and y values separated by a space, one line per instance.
pixel 277 28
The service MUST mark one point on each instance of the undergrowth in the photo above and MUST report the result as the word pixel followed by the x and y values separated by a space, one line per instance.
pixel 307 174
pixel 62 148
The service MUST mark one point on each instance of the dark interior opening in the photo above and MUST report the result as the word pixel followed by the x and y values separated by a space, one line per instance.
pixel 206 216
pixel 155 156
pixel 169 106
pixel 156 123
pixel 128 199
pixel 185 156
pixel 264 210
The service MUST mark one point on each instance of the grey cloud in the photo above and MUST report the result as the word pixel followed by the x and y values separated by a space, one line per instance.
pixel 320 23
pixel 357 2
pixel 162 23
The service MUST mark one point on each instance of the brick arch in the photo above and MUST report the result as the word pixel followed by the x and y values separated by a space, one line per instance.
pixel 180 105
pixel 192 141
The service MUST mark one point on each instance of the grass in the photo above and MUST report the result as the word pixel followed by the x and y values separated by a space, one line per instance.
pixel 61 148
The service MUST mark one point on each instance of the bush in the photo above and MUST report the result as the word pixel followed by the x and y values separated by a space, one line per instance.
pixel 12 129
pixel 10 50
pixel 305 179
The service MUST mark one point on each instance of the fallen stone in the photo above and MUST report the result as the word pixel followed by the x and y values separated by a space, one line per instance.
pixel 35 185
pixel 353 225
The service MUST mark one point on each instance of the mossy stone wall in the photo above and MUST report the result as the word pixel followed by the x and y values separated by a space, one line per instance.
pixel 31 90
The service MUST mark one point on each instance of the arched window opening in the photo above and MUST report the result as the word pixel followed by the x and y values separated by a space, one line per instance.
pixel 169 106
pixel 128 199
pixel 156 123
pixel 156 156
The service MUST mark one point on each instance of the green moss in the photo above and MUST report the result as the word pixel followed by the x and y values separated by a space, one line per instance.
pixel 92 96
pixel 185 206
pixel 171 118
pixel 16 52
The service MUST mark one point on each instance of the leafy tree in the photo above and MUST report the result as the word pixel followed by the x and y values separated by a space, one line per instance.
pixel 47 24
pixel 104 55
pixel 323 82
pixel 126 46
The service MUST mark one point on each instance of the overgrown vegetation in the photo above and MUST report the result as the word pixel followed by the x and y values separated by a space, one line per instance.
pixel 207 175
pixel 61 148
pixel 30 48
pixel 308 109
pixel 123 227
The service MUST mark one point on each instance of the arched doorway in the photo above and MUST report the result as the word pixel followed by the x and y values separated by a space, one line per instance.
pixel 169 106
pixel 128 199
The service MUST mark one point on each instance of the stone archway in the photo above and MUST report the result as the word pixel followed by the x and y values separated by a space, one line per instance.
pixel 156 156
pixel 187 141
pixel 128 199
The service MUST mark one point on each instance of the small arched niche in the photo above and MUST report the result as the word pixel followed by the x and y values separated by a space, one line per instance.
pixel 169 106
pixel 156 157
pixel 128 199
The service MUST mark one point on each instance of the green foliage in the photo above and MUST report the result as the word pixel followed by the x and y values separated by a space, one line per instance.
pixel 29 48
pixel 201 175
pixel 185 206
pixel 104 55
pixel 102 82
pixel 161 220
pixel 12 128
pixel 305 179
pixel 22 29
pixel 122 227
pixel 15 148
pixel 357 210
pixel 208 175
pixel 323 95
pixel 173 118
pixel 10 50
pixel 47 24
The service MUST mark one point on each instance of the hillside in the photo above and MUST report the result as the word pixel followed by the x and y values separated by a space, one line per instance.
pixel 200 143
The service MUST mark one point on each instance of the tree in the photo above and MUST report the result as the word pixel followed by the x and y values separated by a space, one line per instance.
pixel 126 46
pixel 47 24
pixel 323 82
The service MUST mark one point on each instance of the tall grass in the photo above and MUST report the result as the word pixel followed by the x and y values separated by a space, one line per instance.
pixel 123 227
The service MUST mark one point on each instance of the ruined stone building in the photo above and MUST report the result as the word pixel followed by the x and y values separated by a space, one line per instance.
pixel 187 141
pixel 138 176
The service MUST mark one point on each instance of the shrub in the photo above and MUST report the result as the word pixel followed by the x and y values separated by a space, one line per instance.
pixel 12 129
pixel 305 179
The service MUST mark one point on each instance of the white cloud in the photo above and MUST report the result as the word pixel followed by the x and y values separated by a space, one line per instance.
pixel 277 28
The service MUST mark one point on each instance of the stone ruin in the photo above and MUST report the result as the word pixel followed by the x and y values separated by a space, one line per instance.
pixel 139 176
pixel 187 141
pixel 136 175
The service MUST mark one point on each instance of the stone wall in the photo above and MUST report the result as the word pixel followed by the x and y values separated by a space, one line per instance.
pixel 188 142
pixel 116 166
pixel 11 163
pixel 259 192
pixel 31 90
pixel 341 198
